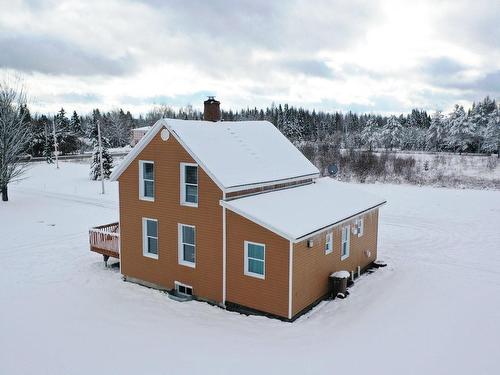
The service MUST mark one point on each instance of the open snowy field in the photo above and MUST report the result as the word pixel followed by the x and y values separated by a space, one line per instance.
pixel 434 310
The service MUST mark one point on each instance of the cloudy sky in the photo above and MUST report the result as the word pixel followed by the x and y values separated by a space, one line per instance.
pixel 374 56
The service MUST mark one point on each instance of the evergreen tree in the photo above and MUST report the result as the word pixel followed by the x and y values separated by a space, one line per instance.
pixel 492 134
pixel 370 134
pixel 95 168
pixel 76 124
pixel 436 133
pixel 392 133
pixel 67 139
pixel 457 139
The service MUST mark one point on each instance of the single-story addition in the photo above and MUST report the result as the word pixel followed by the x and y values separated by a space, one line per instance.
pixel 233 214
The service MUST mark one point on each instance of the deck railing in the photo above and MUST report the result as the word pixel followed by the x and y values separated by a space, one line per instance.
pixel 105 239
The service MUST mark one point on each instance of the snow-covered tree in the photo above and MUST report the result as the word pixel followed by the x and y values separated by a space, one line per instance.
pixel 458 139
pixel 107 160
pixel 478 119
pixel 391 133
pixel 436 133
pixel 67 139
pixel 370 134
pixel 14 136
pixel 76 124
pixel 492 134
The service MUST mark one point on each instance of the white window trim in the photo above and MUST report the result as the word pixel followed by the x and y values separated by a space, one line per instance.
pixel 183 184
pixel 177 284
pixel 329 241
pixel 347 230
pixel 361 227
pixel 141 181
pixel 145 239
pixel 246 271
pixel 180 251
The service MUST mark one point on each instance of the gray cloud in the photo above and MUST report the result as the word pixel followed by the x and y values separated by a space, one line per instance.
pixel 310 67
pixel 474 24
pixel 176 100
pixel 30 53
pixel 267 24
pixel 442 66
pixel 490 83
pixel 253 50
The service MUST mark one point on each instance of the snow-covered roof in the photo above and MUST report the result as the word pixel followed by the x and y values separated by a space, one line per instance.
pixel 300 211
pixel 235 154
pixel 144 128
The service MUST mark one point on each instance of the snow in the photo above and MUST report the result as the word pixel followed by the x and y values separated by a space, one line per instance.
pixel 234 153
pixel 143 128
pixel 341 274
pixel 434 309
pixel 294 213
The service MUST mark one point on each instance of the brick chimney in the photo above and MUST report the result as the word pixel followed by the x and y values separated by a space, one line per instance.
pixel 211 111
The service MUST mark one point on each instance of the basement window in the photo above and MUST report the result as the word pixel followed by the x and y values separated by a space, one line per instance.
pixel 329 243
pixel 183 289
pixel 189 184
pixel 255 259
pixel 146 180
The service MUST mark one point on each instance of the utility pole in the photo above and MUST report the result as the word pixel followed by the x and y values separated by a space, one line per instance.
pixel 100 155
pixel 56 152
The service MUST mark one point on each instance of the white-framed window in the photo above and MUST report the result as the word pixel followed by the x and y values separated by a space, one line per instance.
pixel 150 237
pixel 328 243
pixel 187 245
pixel 360 226
pixel 184 289
pixel 346 239
pixel 189 184
pixel 255 259
pixel 146 180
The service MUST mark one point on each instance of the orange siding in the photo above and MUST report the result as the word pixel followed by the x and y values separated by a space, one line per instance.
pixel 311 267
pixel 206 278
pixel 271 294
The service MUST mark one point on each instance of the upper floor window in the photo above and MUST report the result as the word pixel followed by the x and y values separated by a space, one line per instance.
pixel 146 180
pixel 189 184
pixel 346 239
pixel 329 243
pixel 255 259
pixel 150 237
pixel 187 245
pixel 360 227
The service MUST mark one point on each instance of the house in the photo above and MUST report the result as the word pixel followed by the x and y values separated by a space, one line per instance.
pixel 233 214
pixel 138 133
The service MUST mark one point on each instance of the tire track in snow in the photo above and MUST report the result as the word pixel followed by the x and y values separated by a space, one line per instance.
pixel 431 243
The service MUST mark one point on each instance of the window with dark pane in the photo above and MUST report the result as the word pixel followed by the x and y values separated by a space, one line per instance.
pixel 148 183
pixel 191 184
pixel 188 244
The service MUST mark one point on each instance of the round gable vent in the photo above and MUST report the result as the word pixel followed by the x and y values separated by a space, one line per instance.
pixel 165 134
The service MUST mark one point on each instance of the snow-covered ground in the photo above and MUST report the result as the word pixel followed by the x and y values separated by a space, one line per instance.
pixel 434 310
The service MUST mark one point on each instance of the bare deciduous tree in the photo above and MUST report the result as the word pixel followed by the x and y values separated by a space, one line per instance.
pixel 13 135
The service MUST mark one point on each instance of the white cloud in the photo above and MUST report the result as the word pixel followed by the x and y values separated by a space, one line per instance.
pixel 386 56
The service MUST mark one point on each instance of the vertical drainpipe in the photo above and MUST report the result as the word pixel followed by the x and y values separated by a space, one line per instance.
pixel 224 252
pixel 290 279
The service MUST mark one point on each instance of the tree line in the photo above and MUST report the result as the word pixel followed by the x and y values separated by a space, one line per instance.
pixel 474 130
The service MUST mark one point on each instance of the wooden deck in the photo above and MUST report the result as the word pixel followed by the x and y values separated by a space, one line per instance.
pixel 105 240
